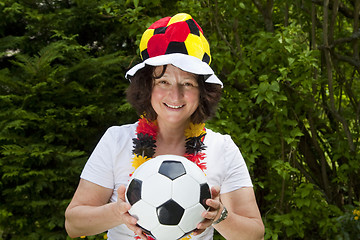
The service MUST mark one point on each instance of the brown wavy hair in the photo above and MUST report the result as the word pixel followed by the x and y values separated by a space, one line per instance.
pixel 139 92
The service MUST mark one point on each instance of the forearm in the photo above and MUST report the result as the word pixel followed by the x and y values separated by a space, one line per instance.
pixel 236 227
pixel 90 220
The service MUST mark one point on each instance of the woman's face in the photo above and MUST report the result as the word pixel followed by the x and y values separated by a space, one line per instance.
pixel 175 95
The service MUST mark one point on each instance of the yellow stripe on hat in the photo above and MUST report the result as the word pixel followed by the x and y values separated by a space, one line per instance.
pixel 145 39
pixel 194 46
pixel 205 45
pixel 180 17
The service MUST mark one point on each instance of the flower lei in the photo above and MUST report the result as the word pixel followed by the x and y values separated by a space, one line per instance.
pixel 144 143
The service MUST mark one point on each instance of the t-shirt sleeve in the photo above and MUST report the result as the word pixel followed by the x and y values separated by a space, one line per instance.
pixel 99 167
pixel 237 172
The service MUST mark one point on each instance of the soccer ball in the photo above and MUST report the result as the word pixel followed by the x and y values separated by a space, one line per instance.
pixel 167 195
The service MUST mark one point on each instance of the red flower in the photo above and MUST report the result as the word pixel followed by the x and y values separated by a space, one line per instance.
pixel 148 237
pixel 197 159
pixel 146 127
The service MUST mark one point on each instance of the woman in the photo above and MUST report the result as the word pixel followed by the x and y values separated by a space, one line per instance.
pixel 175 91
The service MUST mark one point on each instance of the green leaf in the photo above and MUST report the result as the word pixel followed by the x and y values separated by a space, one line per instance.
pixel 136 3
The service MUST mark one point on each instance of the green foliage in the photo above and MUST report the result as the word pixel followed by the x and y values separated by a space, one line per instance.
pixel 276 106
pixel 50 121
pixel 305 202
pixel 57 98
pixel 294 116
pixel 349 224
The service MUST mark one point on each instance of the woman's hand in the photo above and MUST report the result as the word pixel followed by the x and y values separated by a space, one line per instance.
pixel 123 211
pixel 90 213
pixel 213 213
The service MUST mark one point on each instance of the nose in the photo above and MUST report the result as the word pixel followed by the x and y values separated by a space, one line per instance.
pixel 176 92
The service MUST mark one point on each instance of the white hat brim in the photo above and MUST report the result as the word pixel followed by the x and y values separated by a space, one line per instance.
pixel 184 62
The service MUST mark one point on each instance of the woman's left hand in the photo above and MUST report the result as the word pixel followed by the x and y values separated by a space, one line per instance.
pixel 213 213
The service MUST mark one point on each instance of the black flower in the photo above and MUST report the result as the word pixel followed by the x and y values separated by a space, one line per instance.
pixel 194 144
pixel 144 145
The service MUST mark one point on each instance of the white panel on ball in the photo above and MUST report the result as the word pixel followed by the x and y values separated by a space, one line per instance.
pixel 151 169
pixel 186 184
pixel 163 232
pixel 156 190
pixel 196 173
pixel 191 216
pixel 145 213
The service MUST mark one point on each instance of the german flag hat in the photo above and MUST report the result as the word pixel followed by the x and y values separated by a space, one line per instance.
pixel 179 41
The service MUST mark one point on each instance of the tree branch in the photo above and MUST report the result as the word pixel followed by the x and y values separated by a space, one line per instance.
pixel 333 20
pixel 356 29
pixel 354 36
pixel 342 8
pixel 323 162
pixel 350 60
pixel 330 84
pixel 266 12
pixel 330 78
pixel 233 51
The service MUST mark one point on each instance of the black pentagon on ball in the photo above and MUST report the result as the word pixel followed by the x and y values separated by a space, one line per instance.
pixel 170 213
pixel 172 169
pixel 204 194
pixel 133 193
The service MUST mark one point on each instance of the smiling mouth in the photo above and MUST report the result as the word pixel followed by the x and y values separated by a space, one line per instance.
pixel 174 107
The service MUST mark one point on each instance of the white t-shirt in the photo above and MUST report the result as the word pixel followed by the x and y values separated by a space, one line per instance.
pixel 110 165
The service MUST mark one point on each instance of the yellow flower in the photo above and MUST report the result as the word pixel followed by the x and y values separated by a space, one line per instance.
pixel 194 130
pixel 186 237
pixel 356 218
pixel 356 212
pixel 138 160
pixel 105 236
pixel 83 237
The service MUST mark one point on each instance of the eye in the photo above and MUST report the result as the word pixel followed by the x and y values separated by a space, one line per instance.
pixel 161 82
pixel 190 84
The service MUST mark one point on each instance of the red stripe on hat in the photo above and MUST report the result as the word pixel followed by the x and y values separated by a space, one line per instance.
pixel 177 32
pixel 160 23
pixel 157 45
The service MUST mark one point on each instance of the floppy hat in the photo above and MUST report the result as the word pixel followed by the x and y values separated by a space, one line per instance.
pixel 179 41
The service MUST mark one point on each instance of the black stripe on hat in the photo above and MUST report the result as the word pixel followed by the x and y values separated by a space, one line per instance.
pixel 160 30
pixel 176 47
pixel 145 54
pixel 193 28
pixel 206 58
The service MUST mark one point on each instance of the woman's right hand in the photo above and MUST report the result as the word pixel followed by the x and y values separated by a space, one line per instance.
pixel 123 211
pixel 90 213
